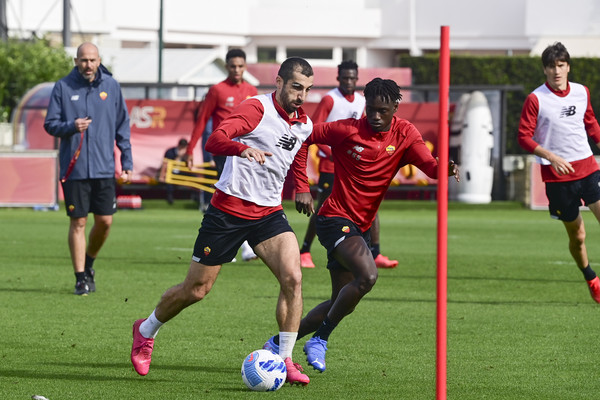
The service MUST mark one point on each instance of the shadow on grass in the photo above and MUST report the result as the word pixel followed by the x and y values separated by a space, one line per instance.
pixel 80 375
pixel 74 376
pixel 156 366
pixel 34 290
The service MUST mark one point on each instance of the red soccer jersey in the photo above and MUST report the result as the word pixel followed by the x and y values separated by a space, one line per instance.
pixel 220 100
pixel 365 164
pixel 323 113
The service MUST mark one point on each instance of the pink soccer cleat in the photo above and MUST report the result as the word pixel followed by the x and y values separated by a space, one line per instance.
pixel 141 351
pixel 382 261
pixel 306 260
pixel 294 373
pixel 594 285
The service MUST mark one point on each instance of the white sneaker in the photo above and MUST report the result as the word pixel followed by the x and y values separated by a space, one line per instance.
pixel 247 252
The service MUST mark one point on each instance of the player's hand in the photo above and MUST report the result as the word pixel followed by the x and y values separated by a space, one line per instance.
pixel 305 204
pixel 126 176
pixel 453 170
pixel 81 124
pixel 190 161
pixel 561 166
pixel 255 154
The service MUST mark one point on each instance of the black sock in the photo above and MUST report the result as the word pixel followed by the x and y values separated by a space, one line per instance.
pixel 588 273
pixel 89 262
pixel 375 250
pixel 305 248
pixel 276 339
pixel 80 276
pixel 325 329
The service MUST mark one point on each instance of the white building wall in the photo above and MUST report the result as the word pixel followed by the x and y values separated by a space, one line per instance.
pixel 376 28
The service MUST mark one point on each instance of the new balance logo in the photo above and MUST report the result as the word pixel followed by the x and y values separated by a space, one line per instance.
pixel 287 142
pixel 567 111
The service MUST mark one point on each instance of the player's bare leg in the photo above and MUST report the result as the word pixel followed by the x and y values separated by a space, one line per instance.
pixel 77 243
pixel 97 237
pixel 195 287
pixel 98 234
pixel 354 254
pixel 282 255
pixel 576 231
pixel 380 260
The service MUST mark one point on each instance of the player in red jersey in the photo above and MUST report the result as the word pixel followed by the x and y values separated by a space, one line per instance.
pixel 220 100
pixel 261 138
pixel 339 103
pixel 555 123
pixel 367 153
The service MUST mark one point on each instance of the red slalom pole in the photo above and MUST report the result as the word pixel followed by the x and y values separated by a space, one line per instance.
pixel 442 221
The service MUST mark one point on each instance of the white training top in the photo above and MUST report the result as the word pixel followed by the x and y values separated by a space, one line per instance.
pixel 263 184
pixel 560 126
pixel 343 109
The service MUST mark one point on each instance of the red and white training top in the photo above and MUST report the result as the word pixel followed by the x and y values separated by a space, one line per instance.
pixel 560 122
pixel 333 107
pixel 247 189
pixel 220 100
pixel 366 162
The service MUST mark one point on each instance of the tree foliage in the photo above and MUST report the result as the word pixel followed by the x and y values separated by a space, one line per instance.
pixel 24 64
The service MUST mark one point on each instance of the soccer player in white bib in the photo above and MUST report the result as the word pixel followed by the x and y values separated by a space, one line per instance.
pixel 368 153
pixel 556 121
pixel 260 139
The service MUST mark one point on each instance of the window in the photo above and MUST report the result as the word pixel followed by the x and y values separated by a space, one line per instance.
pixel 266 54
pixel 314 54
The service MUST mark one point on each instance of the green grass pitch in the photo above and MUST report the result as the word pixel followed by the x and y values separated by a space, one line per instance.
pixel 521 323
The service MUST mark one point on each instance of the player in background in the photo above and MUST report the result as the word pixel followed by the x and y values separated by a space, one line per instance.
pixel 88 113
pixel 261 138
pixel 556 120
pixel 220 100
pixel 339 103
pixel 367 154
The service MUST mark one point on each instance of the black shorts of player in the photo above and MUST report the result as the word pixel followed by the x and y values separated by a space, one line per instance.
pixel 222 234
pixel 325 183
pixel 564 198
pixel 86 196
pixel 331 231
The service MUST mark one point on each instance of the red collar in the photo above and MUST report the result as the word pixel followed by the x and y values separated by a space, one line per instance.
pixel 299 115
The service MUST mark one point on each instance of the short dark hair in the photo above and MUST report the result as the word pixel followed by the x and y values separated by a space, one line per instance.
pixel 346 65
pixel 554 53
pixel 387 89
pixel 233 53
pixel 182 143
pixel 287 68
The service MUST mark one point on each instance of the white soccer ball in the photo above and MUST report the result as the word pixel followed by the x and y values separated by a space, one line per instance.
pixel 263 371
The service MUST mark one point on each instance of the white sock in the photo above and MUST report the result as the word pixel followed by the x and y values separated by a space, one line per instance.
pixel 149 328
pixel 287 340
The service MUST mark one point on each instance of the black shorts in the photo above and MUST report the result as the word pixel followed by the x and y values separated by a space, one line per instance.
pixel 86 196
pixel 325 183
pixel 221 234
pixel 565 197
pixel 331 231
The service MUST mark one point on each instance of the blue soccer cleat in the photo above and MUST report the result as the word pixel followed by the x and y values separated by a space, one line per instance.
pixel 271 346
pixel 315 349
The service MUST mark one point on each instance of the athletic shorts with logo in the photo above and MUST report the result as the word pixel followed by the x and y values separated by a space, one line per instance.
pixel 222 234
pixel 86 196
pixel 331 231
pixel 325 184
pixel 565 198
